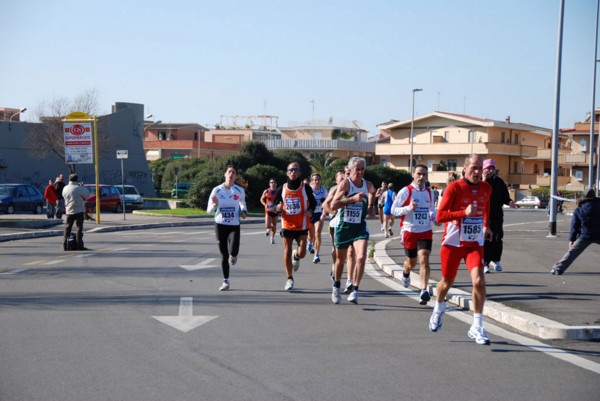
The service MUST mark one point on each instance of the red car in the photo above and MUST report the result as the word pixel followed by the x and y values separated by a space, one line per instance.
pixel 110 198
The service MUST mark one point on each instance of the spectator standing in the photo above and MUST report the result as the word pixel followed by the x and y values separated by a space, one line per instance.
pixel 74 196
pixel 59 185
pixel 388 218
pixel 51 200
pixel 492 248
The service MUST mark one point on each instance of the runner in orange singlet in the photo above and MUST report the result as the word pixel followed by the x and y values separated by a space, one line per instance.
pixel 268 201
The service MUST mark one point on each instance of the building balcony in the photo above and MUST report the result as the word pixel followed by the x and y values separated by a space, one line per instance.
pixel 326 145
pixel 446 148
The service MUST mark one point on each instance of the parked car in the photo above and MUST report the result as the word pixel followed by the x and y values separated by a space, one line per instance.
pixel 110 198
pixel 180 190
pixel 532 201
pixel 20 198
pixel 133 198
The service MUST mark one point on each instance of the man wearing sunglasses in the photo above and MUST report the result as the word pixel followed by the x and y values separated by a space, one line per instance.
pixel 296 202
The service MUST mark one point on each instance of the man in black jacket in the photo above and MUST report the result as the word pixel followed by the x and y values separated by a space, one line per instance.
pixel 492 247
pixel 585 230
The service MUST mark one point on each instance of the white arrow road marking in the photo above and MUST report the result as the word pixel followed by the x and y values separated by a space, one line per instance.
pixel 186 320
pixel 202 265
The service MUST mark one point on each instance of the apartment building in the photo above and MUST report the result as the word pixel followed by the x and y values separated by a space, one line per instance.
pixel 442 141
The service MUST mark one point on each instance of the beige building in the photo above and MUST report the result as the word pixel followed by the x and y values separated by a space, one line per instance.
pixel 443 140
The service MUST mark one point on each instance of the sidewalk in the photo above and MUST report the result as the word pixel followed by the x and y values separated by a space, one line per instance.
pixel 524 295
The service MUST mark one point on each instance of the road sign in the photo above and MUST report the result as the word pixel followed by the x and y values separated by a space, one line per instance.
pixel 121 154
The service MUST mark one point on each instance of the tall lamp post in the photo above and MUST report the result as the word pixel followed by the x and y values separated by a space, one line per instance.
pixel 412 125
pixel 23 110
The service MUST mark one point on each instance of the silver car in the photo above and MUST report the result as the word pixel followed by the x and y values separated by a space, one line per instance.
pixel 133 199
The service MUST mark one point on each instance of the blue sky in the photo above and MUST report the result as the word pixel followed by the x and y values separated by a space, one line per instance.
pixel 193 61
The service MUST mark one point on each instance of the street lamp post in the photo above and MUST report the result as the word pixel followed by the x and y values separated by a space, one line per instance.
pixel 23 110
pixel 412 125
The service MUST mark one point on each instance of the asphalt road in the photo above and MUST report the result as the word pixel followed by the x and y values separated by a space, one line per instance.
pixel 111 324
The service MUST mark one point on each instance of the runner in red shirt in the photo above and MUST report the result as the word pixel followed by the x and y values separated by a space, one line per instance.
pixel 465 209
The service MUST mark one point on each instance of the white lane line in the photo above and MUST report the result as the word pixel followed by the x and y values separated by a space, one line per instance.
pixel 491 328
pixel 53 262
pixel 13 271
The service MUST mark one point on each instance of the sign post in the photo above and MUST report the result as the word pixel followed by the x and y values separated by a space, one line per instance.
pixel 122 154
pixel 80 132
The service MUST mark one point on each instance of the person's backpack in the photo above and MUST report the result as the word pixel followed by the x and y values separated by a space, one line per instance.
pixel 72 242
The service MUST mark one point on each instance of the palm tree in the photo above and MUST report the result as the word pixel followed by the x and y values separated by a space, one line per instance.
pixel 320 162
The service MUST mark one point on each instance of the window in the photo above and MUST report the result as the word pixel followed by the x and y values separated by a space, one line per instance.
pixel 162 135
pixel 583 144
pixel 579 175
pixel 536 169
pixel 446 136
pixel 502 137
pixel 452 164
pixel 195 136
pixel 471 136
pixel 517 139
pixel 515 167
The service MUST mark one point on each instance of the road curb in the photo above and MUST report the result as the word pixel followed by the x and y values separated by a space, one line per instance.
pixel 525 322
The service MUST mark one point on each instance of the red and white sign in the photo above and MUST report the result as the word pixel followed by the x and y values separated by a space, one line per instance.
pixel 78 143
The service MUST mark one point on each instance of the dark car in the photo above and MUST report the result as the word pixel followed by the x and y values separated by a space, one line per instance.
pixel 20 198
pixel 110 198
pixel 180 190
pixel 133 199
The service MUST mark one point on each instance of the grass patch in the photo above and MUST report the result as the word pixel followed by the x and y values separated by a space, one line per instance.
pixel 180 211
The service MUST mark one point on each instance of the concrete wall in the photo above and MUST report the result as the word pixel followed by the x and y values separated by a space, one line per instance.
pixel 125 131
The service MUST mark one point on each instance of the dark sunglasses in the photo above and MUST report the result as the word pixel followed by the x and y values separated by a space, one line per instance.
pixel 293 170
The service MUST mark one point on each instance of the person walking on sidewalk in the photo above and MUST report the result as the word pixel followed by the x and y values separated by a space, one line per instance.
pixel 388 218
pixel 585 230
pixel 59 185
pixel 74 197
pixel 296 202
pixel 354 198
pixel 228 202
pixel 465 208
pixel 316 220
pixel 415 205
pixel 492 248
pixel 268 201
pixel 51 199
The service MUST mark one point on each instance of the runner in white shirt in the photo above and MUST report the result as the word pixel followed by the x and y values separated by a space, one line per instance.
pixel 228 200
pixel 414 203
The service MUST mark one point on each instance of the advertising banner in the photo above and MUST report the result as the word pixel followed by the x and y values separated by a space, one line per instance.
pixel 78 142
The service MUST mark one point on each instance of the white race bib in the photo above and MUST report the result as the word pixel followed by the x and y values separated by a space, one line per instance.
pixel 292 206
pixel 228 214
pixel 353 213
pixel 471 229
pixel 420 216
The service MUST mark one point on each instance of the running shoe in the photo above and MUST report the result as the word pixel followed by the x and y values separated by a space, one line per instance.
pixel 289 284
pixel 556 272
pixel 424 297
pixel 348 288
pixel 232 260
pixel 331 274
pixel 316 259
pixel 435 322
pixel 479 335
pixel 497 266
pixel 224 286
pixel 310 248
pixel 405 280
pixel 335 295
pixel 272 240
pixel 387 235
pixel 486 269
pixel 382 228
pixel 353 297
pixel 267 233
pixel 391 233
pixel 295 261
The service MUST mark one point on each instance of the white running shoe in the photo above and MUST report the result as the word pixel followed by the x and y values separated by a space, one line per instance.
pixel 387 235
pixel 272 240
pixel 268 232
pixel 335 295
pixel 224 286
pixel 486 268
pixel 232 260
pixel 295 261
pixel 479 335
pixel 289 284
pixel 405 280
pixel 435 322
pixel 353 297
pixel 382 227
pixel 348 288
pixel 497 266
